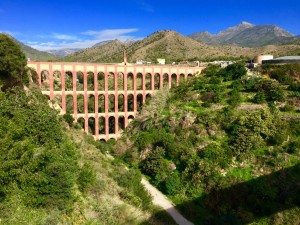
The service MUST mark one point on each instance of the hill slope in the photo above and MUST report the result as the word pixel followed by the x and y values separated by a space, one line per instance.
pixel 36 55
pixel 221 158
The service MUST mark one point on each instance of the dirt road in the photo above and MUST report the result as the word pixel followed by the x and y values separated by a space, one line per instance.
pixel 160 200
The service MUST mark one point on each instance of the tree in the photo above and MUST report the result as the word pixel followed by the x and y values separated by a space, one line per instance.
pixel 271 89
pixel 12 63
pixel 233 71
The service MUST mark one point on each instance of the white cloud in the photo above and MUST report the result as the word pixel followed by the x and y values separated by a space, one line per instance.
pixel 64 37
pixel 60 41
pixel 110 34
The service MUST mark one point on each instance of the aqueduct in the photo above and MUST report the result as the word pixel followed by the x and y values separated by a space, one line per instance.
pixel 105 97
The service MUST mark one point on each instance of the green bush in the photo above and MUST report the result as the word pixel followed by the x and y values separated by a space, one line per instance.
pixel 36 156
pixel 69 119
pixel 86 178
pixel 131 180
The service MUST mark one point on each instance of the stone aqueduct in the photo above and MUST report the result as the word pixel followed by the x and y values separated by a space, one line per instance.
pixel 105 97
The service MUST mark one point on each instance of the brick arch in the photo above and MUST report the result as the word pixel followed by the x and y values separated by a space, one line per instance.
pixel 81 121
pixel 45 80
pixel 91 103
pixel 174 80
pixel 91 81
pixel 80 81
pixel 112 125
pixel 148 81
pixel 166 80
pixel 120 79
pixel 101 80
pixel 87 98
pixel 130 81
pixel 68 76
pixel 92 125
pixel 101 125
pixel 157 81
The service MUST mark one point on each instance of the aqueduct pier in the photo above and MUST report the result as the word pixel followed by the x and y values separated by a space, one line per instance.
pixel 105 97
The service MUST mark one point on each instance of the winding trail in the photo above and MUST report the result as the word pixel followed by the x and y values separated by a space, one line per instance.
pixel 160 200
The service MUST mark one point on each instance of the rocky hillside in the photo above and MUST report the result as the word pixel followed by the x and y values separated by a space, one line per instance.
pixel 64 52
pixel 247 35
pixel 173 47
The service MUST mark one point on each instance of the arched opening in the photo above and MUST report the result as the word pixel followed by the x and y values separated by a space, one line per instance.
pixel 148 81
pixel 81 122
pixel 190 75
pixel 45 80
pixel 91 104
pixel 121 122
pixel 57 80
pixel 156 81
pixel 130 106
pixel 165 80
pixel 121 103
pixel 79 81
pixel 139 99
pixel 148 98
pixel 68 81
pixel 90 81
pixel 129 81
pixel 47 97
pixel 173 80
pixel 100 78
pixel 130 118
pixel 139 81
pixel 57 102
pixel 111 81
pixel 111 103
pixel 69 104
pixel 182 78
pixel 80 104
pixel 101 103
pixel 111 124
pixel 102 140
pixel 120 81
pixel 91 123
pixel 101 125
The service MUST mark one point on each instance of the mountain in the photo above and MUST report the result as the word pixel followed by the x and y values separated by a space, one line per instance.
pixel 101 43
pixel 172 46
pixel 203 36
pixel 109 52
pixel 36 55
pixel 64 52
pixel 247 35
pixel 33 54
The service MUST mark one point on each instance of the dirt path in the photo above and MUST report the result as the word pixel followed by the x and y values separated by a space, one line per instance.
pixel 160 200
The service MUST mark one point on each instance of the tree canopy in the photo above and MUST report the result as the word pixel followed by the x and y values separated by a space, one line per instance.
pixel 12 62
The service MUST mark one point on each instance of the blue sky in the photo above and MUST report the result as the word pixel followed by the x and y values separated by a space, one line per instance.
pixel 69 24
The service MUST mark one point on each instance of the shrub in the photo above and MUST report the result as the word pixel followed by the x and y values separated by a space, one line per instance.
pixel 86 178
pixel 69 119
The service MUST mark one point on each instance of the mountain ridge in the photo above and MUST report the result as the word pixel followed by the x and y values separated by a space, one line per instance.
pixel 174 47
pixel 246 35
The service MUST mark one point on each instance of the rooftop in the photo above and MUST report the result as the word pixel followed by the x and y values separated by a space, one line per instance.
pixel 288 58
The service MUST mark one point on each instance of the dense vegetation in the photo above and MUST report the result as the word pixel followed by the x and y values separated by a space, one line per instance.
pixel 12 63
pixel 52 173
pixel 224 146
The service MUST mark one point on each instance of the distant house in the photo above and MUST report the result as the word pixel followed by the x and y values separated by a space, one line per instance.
pixel 161 61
